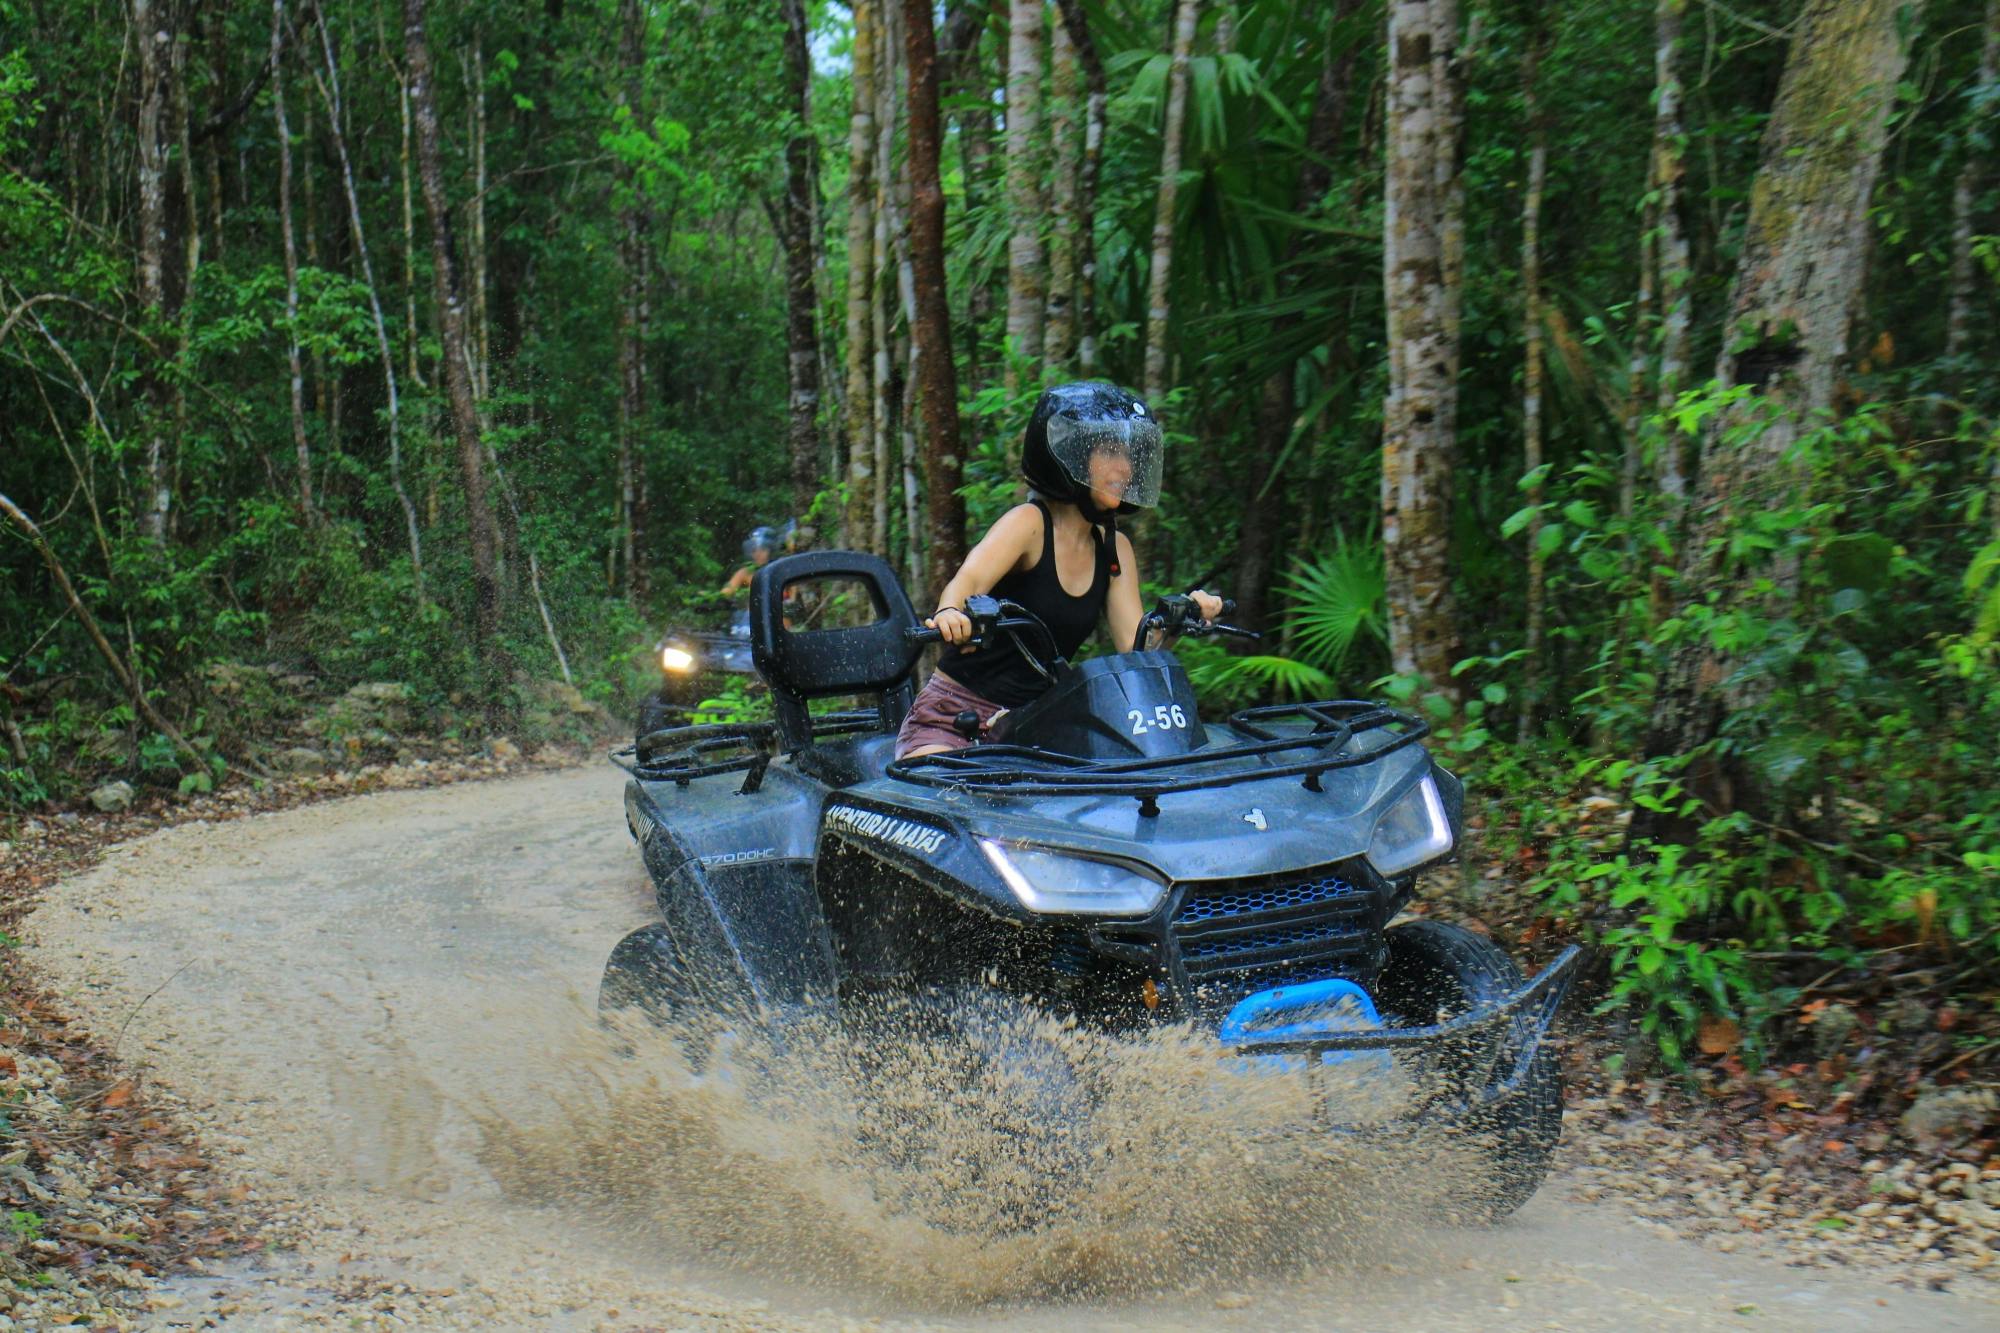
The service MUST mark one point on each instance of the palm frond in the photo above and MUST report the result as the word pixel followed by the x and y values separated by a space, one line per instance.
pixel 1337 601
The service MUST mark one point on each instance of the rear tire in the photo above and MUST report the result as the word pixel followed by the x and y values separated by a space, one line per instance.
pixel 1437 971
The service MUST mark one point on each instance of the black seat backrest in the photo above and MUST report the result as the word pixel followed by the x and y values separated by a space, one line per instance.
pixel 801 663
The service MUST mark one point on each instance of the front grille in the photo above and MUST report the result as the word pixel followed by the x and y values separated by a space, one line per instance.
pixel 1248 935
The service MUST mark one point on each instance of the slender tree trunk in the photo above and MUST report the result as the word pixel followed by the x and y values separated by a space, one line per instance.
pixel 1096 101
pixel 153 25
pixel 301 449
pixel 939 390
pixel 1672 262
pixel 1798 280
pixel 1531 378
pixel 630 353
pixel 1066 153
pixel 1277 407
pixel 1159 283
pixel 392 401
pixel 881 289
pixel 1418 441
pixel 860 278
pixel 482 535
pixel 1979 122
pixel 1027 271
pixel 413 339
pixel 481 343
pixel 801 299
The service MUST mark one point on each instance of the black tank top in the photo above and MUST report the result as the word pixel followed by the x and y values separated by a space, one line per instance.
pixel 998 671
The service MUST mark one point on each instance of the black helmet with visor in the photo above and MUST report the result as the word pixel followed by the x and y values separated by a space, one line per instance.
pixel 1093 438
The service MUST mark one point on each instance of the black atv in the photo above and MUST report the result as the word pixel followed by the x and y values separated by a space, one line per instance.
pixel 1105 854
pixel 691 662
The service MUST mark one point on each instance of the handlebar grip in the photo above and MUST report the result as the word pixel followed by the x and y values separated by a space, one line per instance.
pixel 916 634
pixel 1228 606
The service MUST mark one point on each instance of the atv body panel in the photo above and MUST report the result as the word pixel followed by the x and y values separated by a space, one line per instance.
pixel 796 864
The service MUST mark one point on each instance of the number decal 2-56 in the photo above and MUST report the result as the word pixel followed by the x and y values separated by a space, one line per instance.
pixel 1166 717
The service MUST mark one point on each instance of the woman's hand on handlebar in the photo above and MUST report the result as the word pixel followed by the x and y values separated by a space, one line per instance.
pixel 1210 606
pixel 952 624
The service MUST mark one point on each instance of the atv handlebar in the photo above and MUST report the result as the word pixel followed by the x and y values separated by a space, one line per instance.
pixel 1175 614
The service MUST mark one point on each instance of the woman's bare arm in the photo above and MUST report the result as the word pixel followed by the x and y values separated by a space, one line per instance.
pixel 1016 538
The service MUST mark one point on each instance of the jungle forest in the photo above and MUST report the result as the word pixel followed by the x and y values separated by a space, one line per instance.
pixel 1610 383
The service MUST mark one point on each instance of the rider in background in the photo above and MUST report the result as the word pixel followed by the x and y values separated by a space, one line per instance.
pixel 1092 452
pixel 758 548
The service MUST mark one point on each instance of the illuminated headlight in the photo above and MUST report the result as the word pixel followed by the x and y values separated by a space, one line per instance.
pixel 1412 831
pixel 1047 882
pixel 676 659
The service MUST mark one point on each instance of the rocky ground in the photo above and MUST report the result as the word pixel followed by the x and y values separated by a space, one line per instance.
pixel 104 1186
pixel 105 1190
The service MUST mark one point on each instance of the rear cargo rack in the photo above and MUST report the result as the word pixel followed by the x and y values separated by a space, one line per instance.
pixel 711 749
pixel 1028 770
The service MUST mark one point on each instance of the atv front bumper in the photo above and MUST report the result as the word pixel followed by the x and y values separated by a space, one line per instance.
pixel 1491 1047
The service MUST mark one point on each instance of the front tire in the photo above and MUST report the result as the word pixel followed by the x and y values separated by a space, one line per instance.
pixel 1436 971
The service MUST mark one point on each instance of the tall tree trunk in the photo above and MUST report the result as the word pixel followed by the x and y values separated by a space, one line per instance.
pixel 1096 101
pixel 976 151
pixel 630 352
pixel 1797 284
pixel 1159 283
pixel 889 57
pixel 480 343
pixel 1418 440
pixel 1979 122
pixel 153 28
pixel 1065 161
pixel 301 448
pixel 1672 263
pixel 1531 377
pixel 945 517
pixel 1277 407
pixel 859 407
pixel 801 301
pixel 482 536
pixel 336 119
pixel 1027 274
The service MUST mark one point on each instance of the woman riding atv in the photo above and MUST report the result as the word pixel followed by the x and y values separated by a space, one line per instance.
pixel 1092 451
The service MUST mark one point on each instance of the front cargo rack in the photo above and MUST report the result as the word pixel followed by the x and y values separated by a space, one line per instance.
pixel 680 754
pixel 1028 770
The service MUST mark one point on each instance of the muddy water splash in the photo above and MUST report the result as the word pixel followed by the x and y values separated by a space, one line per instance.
pixel 1034 1160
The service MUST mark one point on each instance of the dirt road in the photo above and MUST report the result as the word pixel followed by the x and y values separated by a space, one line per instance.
pixel 379 1009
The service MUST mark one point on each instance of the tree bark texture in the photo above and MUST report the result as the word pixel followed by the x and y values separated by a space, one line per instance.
pixel 1277 406
pixel 1797 283
pixel 1027 271
pixel 801 295
pixel 1159 281
pixel 1418 436
pixel 945 507
pixel 153 29
pixel 1531 379
pixel 1980 119
pixel 859 406
pixel 301 447
pixel 631 358
pixel 889 65
pixel 1097 100
pixel 483 538
pixel 1674 267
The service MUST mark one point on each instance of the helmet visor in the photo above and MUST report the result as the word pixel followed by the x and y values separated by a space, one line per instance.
pixel 1118 461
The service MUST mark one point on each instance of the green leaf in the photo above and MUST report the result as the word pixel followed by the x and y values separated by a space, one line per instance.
pixel 1550 541
pixel 1582 513
pixel 1518 520
pixel 1651 959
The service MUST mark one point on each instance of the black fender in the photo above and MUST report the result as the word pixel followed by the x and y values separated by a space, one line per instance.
pixel 748 935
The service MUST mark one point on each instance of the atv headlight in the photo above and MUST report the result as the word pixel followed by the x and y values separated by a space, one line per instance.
pixel 1412 831
pixel 676 659
pixel 1050 882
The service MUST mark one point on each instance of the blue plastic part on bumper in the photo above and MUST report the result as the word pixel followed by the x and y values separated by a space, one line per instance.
pixel 1305 1013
